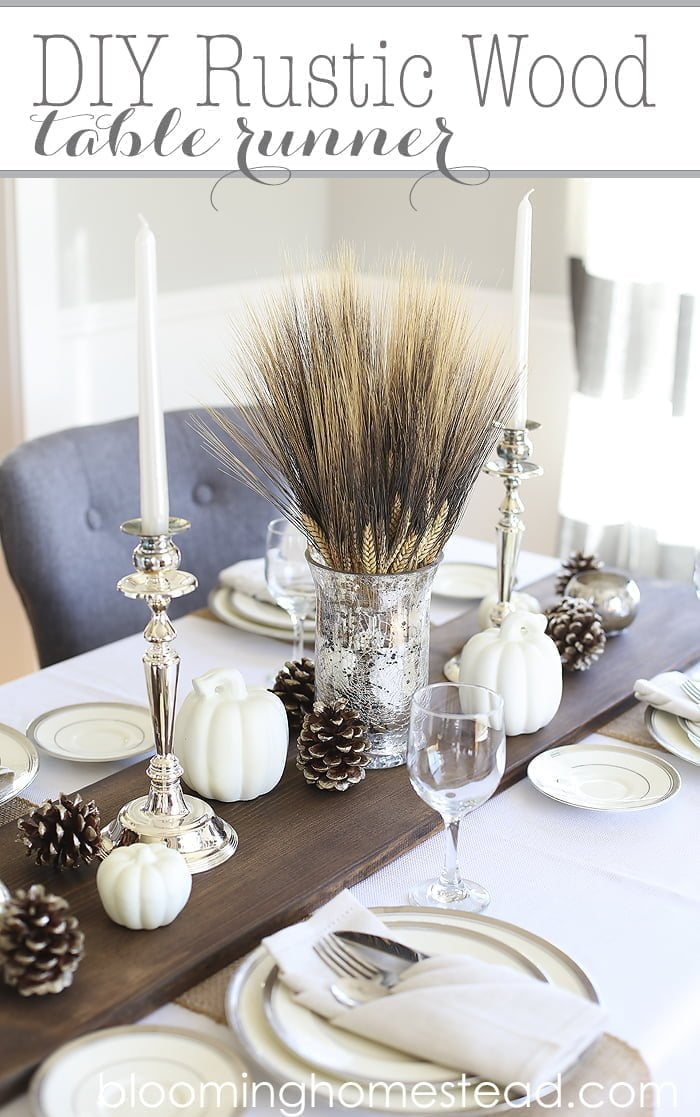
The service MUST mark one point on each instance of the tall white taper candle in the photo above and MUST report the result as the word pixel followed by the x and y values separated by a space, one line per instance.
pixel 152 460
pixel 521 306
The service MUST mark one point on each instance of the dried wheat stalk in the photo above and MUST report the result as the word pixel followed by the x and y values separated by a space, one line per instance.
pixel 371 410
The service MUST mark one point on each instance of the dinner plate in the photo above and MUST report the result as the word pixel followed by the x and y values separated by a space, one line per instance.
pixel 221 605
pixel 139 1070
pixel 464 581
pixel 94 731
pixel 429 930
pixel 19 762
pixel 261 612
pixel 668 731
pixel 329 1049
pixel 604 777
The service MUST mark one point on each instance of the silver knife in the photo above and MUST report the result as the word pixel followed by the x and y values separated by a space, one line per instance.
pixel 387 949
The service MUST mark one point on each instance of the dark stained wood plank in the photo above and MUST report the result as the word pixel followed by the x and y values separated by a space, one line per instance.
pixel 664 636
pixel 298 847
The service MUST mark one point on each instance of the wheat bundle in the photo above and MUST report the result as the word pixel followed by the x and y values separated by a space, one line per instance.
pixel 369 410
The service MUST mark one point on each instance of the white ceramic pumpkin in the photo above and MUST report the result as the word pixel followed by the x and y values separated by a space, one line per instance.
pixel 231 741
pixel 524 602
pixel 144 886
pixel 521 664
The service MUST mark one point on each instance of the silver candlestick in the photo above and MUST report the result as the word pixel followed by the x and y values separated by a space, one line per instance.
pixel 513 467
pixel 166 814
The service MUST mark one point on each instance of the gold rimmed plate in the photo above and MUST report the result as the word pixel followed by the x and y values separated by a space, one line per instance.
pixel 330 1049
pixel 19 762
pixel 430 930
pixel 604 777
pixel 90 732
pixel 122 1070
pixel 464 581
pixel 669 732
pixel 261 612
pixel 221 605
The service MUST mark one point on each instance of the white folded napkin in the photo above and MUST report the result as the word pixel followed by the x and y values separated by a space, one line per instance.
pixel 454 1011
pixel 664 691
pixel 248 577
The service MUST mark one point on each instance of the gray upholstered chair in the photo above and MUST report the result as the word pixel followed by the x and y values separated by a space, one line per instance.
pixel 62 499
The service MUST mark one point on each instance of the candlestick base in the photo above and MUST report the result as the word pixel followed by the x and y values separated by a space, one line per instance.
pixel 203 839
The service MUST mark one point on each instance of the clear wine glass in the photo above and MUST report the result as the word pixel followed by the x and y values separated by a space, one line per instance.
pixel 288 576
pixel 456 757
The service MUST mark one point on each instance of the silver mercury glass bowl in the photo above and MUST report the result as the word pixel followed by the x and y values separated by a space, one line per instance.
pixel 612 593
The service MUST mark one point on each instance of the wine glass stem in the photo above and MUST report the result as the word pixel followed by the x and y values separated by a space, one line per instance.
pixel 450 877
pixel 298 623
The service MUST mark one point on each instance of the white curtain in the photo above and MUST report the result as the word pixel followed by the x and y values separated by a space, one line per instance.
pixel 631 480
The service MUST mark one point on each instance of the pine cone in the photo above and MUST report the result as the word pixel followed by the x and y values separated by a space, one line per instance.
pixel 296 686
pixel 62 832
pixel 578 633
pixel 41 944
pixel 576 563
pixel 333 747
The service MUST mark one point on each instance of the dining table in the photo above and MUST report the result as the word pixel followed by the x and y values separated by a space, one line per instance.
pixel 618 892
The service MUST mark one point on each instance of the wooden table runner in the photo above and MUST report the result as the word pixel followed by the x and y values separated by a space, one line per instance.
pixel 298 847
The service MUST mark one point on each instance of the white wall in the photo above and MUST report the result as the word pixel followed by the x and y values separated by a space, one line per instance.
pixel 474 225
pixel 198 246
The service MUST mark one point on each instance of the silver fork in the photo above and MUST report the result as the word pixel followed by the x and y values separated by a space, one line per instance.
pixel 691 689
pixel 366 981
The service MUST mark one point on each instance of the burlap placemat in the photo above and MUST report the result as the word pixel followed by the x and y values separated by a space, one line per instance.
pixel 14 809
pixel 630 727
pixel 611 1078
pixel 209 996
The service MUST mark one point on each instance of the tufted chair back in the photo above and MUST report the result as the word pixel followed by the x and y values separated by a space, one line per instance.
pixel 62 499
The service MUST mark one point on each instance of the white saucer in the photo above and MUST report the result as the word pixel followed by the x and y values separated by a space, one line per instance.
pixel 464 581
pixel 667 731
pixel 19 762
pixel 604 777
pixel 221 605
pixel 138 1064
pixel 94 731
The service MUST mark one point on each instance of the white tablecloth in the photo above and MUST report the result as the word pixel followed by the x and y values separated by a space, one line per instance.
pixel 620 893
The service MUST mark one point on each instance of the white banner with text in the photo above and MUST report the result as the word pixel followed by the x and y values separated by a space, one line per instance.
pixel 270 92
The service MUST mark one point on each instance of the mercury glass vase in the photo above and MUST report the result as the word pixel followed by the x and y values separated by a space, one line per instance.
pixel 372 642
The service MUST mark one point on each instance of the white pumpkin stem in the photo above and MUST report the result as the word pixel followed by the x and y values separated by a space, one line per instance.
pixel 226 681
pixel 520 624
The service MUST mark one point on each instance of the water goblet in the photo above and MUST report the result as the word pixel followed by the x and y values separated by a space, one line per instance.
pixel 456 757
pixel 288 576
